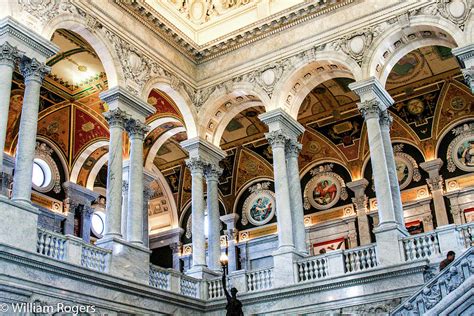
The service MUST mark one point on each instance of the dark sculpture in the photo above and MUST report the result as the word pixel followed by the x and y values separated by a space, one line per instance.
pixel 234 306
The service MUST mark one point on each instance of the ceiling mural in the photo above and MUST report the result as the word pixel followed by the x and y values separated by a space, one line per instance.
pixel 163 104
pixel 56 126
pixel 245 126
pixel 90 163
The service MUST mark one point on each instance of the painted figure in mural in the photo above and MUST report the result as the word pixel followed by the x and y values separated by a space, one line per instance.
pixel 261 209
pixel 466 153
pixel 234 306
pixel 325 192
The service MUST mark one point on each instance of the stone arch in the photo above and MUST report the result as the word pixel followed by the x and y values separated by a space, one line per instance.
pixel 169 195
pixel 104 49
pixel 158 143
pixel 395 43
pixel 303 76
pixel 58 152
pixel 95 171
pixel 341 163
pixel 180 98
pixel 79 163
pixel 221 102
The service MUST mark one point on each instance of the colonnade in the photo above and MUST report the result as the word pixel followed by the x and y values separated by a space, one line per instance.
pixel 124 228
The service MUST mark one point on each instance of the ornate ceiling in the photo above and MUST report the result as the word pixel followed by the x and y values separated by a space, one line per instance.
pixel 202 29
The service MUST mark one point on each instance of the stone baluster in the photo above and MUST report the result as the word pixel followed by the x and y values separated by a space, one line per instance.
pixel 212 173
pixel 9 58
pixel 435 183
pixel 116 119
pixel 293 149
pixel 136 130
pixel 360 202
pixel 465 57
pixel 33 71
pixel 230 221
pixel 373 107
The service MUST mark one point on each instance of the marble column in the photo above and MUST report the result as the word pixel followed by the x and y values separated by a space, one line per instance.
pixel 136 130
pixel 6 177
pixel 465 57
pixel 435 183
pixel 123 221
pixel 385 125
pixel 360 202
pixel 293 149
pixel 196 166
pixel 33 72
pixel 278 140
pixel 9 57
pixel 113 227
pixel 373 107
pixel 148 192
pixel 230 221
pixel 212 173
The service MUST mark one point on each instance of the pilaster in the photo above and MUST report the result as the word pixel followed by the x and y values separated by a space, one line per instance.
pixel 435 183
pixel 360 201
pixel 230 220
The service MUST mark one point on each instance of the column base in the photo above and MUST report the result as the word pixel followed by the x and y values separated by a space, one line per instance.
pixel 284 267
pixel 128 260
pixel 18 224
pixel 202 272
pixel 387 236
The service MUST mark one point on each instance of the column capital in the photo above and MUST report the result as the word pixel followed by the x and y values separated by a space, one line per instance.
pixel 230 219
pixel 119 98
pixel 203 150
pixel 195 165
pixel 277 138
pixel 432 166
pixel 124 186
pixel 386 119
pixel 116 118
pixel 32 69
pixel 369 109
pixel 212 172
pixel 136 129
pixel 358 186
pixel 9 55
pixel 372 90
pixel 278 119
pixel 79 193
pixel 293 148
pixel 360 202
pixel 435 183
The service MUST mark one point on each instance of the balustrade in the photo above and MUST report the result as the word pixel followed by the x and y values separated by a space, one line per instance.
pixel 312 268
pixel 360 258
pixel 215 288
pixel 94 258
pixel 466 234
pixel 259 280
pixel 189 286
pixel 421 246
pixel 159 278
pixel 51 244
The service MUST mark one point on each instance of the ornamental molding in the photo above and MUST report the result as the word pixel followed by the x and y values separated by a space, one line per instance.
pixel 257 192
pixel 324 173
pixel 458 155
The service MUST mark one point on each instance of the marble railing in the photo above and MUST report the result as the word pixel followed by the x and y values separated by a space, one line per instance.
pixel 430 297
pixel 51 244
pixel 312 268
pixel 466 234
pixel 190 286
pixel 159 277
pixel 421 246
pixel 259 280
pixel 360 258
pixel 215 288
pixel 94 258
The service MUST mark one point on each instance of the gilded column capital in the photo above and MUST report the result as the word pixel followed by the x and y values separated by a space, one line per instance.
pixel 136 129
pixel 31 69
pixel 116 118
pixel 277 138
pixel 9 55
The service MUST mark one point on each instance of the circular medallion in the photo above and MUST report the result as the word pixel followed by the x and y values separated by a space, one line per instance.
pixel 463 153
pixel 323 191
pixel 404 171
pixel 415 106
pixel 259 207
pixel 457 103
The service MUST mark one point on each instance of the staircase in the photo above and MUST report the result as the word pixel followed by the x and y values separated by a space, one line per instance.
pixel 449 293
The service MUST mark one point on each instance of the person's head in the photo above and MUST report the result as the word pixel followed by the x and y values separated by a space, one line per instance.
pixel 450 256
pixel 233 292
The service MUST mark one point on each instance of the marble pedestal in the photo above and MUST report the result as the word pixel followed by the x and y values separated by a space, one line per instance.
pixel 128 260
pixel 388 246
pixel 202 272
pixel 18 224
pixel 284 267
